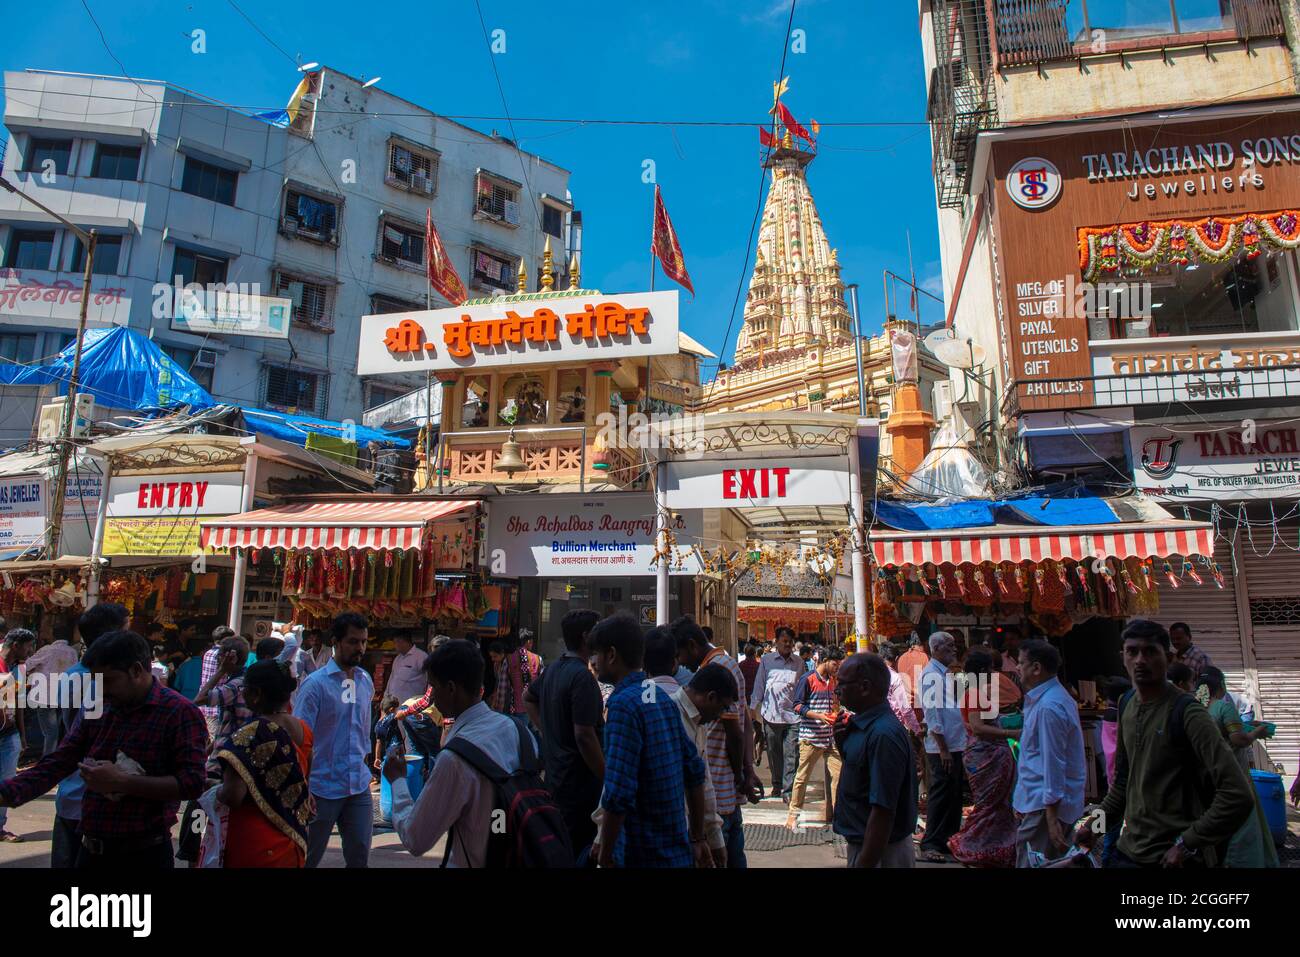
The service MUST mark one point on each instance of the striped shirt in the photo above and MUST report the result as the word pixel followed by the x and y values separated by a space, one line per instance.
pixel 720 770
pixel 815 693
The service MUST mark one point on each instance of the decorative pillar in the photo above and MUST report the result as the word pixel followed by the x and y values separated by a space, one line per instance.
pixel 908 425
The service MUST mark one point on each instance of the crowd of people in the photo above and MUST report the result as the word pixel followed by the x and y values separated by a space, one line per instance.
pixel 635 748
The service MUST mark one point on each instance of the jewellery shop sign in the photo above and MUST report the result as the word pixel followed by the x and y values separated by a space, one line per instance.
pixel 159 515
pixel 579 536
pixel 503 333
pixel 1250 460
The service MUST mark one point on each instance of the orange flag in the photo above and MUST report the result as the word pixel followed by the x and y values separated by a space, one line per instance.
pixel 442 274
pixel 664 244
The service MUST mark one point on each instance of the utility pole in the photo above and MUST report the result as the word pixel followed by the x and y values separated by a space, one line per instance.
pixel 54 530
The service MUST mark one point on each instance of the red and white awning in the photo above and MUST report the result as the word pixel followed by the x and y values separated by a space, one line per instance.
pixel 1033 544
pixel 379 525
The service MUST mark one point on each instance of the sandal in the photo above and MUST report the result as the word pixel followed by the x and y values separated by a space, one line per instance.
pixel 932 857
pixel 9 837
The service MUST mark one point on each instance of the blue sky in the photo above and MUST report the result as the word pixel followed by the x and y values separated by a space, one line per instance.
pixel 669 60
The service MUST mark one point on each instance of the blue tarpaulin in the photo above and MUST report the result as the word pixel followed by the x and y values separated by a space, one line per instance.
pixel 122 369
pixel 980 513
pixel 296 428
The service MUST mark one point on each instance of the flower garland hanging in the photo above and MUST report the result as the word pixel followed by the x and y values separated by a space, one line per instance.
pixel 1105 250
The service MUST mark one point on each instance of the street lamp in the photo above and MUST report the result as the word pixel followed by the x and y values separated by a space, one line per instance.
pixel 88 239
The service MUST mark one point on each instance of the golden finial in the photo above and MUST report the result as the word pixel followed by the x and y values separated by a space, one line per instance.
pixel 522 277
pixel 573 272
pixel 788 142
pixel 548 276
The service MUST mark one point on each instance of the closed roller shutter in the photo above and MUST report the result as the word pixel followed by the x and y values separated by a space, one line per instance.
pixel 1273 586
pixel 1211 613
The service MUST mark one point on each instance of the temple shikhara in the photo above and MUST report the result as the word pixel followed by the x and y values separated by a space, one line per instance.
pixel 795 349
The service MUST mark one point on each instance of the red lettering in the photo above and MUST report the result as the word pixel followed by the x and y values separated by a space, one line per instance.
pixel 728 483
pixel 1203 439
pixel 747 489
pixel 187 494
pixel 1286 439
pixel 780 481
pixel 201 488
pixel 155 495
pixel 143 500
pixel 1218 445
pixel 171 493
pixel 1234 443
pixel 763 473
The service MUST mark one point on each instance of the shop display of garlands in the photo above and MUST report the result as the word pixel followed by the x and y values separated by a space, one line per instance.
pixel 1053 595
pixel 58 591
pixel 382 585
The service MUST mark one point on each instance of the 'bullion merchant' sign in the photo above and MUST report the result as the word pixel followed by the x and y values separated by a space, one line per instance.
pixel 564 329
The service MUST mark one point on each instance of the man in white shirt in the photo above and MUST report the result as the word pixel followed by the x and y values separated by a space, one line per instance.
pixel 945 742
pixel 457 800
pixel 406 676
pixel 48 662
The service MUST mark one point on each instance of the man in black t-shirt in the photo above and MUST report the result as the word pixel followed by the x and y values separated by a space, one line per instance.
pixel 565 704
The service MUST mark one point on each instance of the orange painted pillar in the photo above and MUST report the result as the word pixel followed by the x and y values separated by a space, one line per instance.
pixel 909 427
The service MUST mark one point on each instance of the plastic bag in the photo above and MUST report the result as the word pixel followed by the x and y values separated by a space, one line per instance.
pixel 212 849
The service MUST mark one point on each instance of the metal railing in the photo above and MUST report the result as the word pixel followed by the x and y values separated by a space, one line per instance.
pixel 1269 385
pixel 962 100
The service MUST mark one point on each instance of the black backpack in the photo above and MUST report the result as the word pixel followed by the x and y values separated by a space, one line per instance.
pixel 533 834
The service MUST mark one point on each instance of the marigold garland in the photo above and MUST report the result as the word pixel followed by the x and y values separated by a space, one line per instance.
pixel 1104 250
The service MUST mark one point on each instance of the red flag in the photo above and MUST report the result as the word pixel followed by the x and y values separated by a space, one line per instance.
pixel 664 244
pixel 791 123
pixel 766 138
pixel 442 274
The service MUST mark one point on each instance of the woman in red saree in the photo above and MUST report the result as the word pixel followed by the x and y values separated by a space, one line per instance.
pixel 265 767
pixel 988 836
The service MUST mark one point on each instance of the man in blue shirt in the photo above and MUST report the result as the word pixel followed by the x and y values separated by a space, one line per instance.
pixel 335 704
pixel 875 806
pixel 1052 771
pixel 652 768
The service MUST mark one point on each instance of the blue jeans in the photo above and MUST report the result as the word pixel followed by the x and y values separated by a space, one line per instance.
pixel 48 719
pixel 355 816
pixel 11 745
pixel 733 832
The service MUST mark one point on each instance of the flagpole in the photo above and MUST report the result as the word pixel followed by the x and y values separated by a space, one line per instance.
pixel 916 300
pixel 428 376
pixel 654 209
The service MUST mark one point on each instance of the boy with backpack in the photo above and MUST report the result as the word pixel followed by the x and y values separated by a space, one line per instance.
pixel 1178 788
pixel 485 791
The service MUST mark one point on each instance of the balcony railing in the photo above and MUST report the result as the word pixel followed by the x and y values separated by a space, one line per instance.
pixel 962 100
pixel 1036 31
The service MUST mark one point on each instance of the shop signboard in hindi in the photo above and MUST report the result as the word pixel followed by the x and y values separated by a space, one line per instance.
pixel 152 515
pixel 503 333
pixel 571 536
pixel 221 310
pixel 1255 460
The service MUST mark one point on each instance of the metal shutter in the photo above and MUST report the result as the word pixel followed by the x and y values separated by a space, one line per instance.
pixel 1273 586
pixel 1211 613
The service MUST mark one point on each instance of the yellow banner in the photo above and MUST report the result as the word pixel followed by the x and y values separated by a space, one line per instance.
pixel 144 537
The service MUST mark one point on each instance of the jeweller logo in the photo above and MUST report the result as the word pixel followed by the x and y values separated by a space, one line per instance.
pixel 1034 183
pixel 1160 457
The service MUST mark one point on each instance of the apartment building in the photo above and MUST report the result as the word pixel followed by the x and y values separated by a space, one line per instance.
pixel 1117 187
pixel 328 213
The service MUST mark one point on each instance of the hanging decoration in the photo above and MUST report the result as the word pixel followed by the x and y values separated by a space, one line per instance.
pixel 1107 250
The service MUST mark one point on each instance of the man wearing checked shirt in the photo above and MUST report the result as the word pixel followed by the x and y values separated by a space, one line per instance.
pixel 335 704
pixel 652 768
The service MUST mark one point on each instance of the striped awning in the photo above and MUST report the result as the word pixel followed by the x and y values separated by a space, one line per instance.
pixel 379 525
pixel 1003 543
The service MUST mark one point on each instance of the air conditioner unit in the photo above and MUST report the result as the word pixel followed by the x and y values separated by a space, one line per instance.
pixel 942 397
pixel 419 182
pixel 49 426
pixel 205 359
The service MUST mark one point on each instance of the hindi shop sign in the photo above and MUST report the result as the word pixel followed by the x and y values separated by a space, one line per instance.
pixel 1258 461
pixel 160 514
pixel 579 536
pixel 744 483
pixel 563 329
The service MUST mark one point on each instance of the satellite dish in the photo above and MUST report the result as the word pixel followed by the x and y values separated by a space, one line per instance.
pixel 939 335
pixel 959 354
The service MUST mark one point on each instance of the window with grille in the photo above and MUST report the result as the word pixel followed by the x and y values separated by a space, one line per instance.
pixel 552 221
pixel 312 301
pixel 401 244
pixel 412 169
pixel 309 217
pixel 42 150
pixel 492 270
pixel 29 249
pixel 296 390
pixel 1275 612
pixel 17 347
pixel 382 305
pixel 208 181
pixel 116 162
pixel 498 200
pixel 108 253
